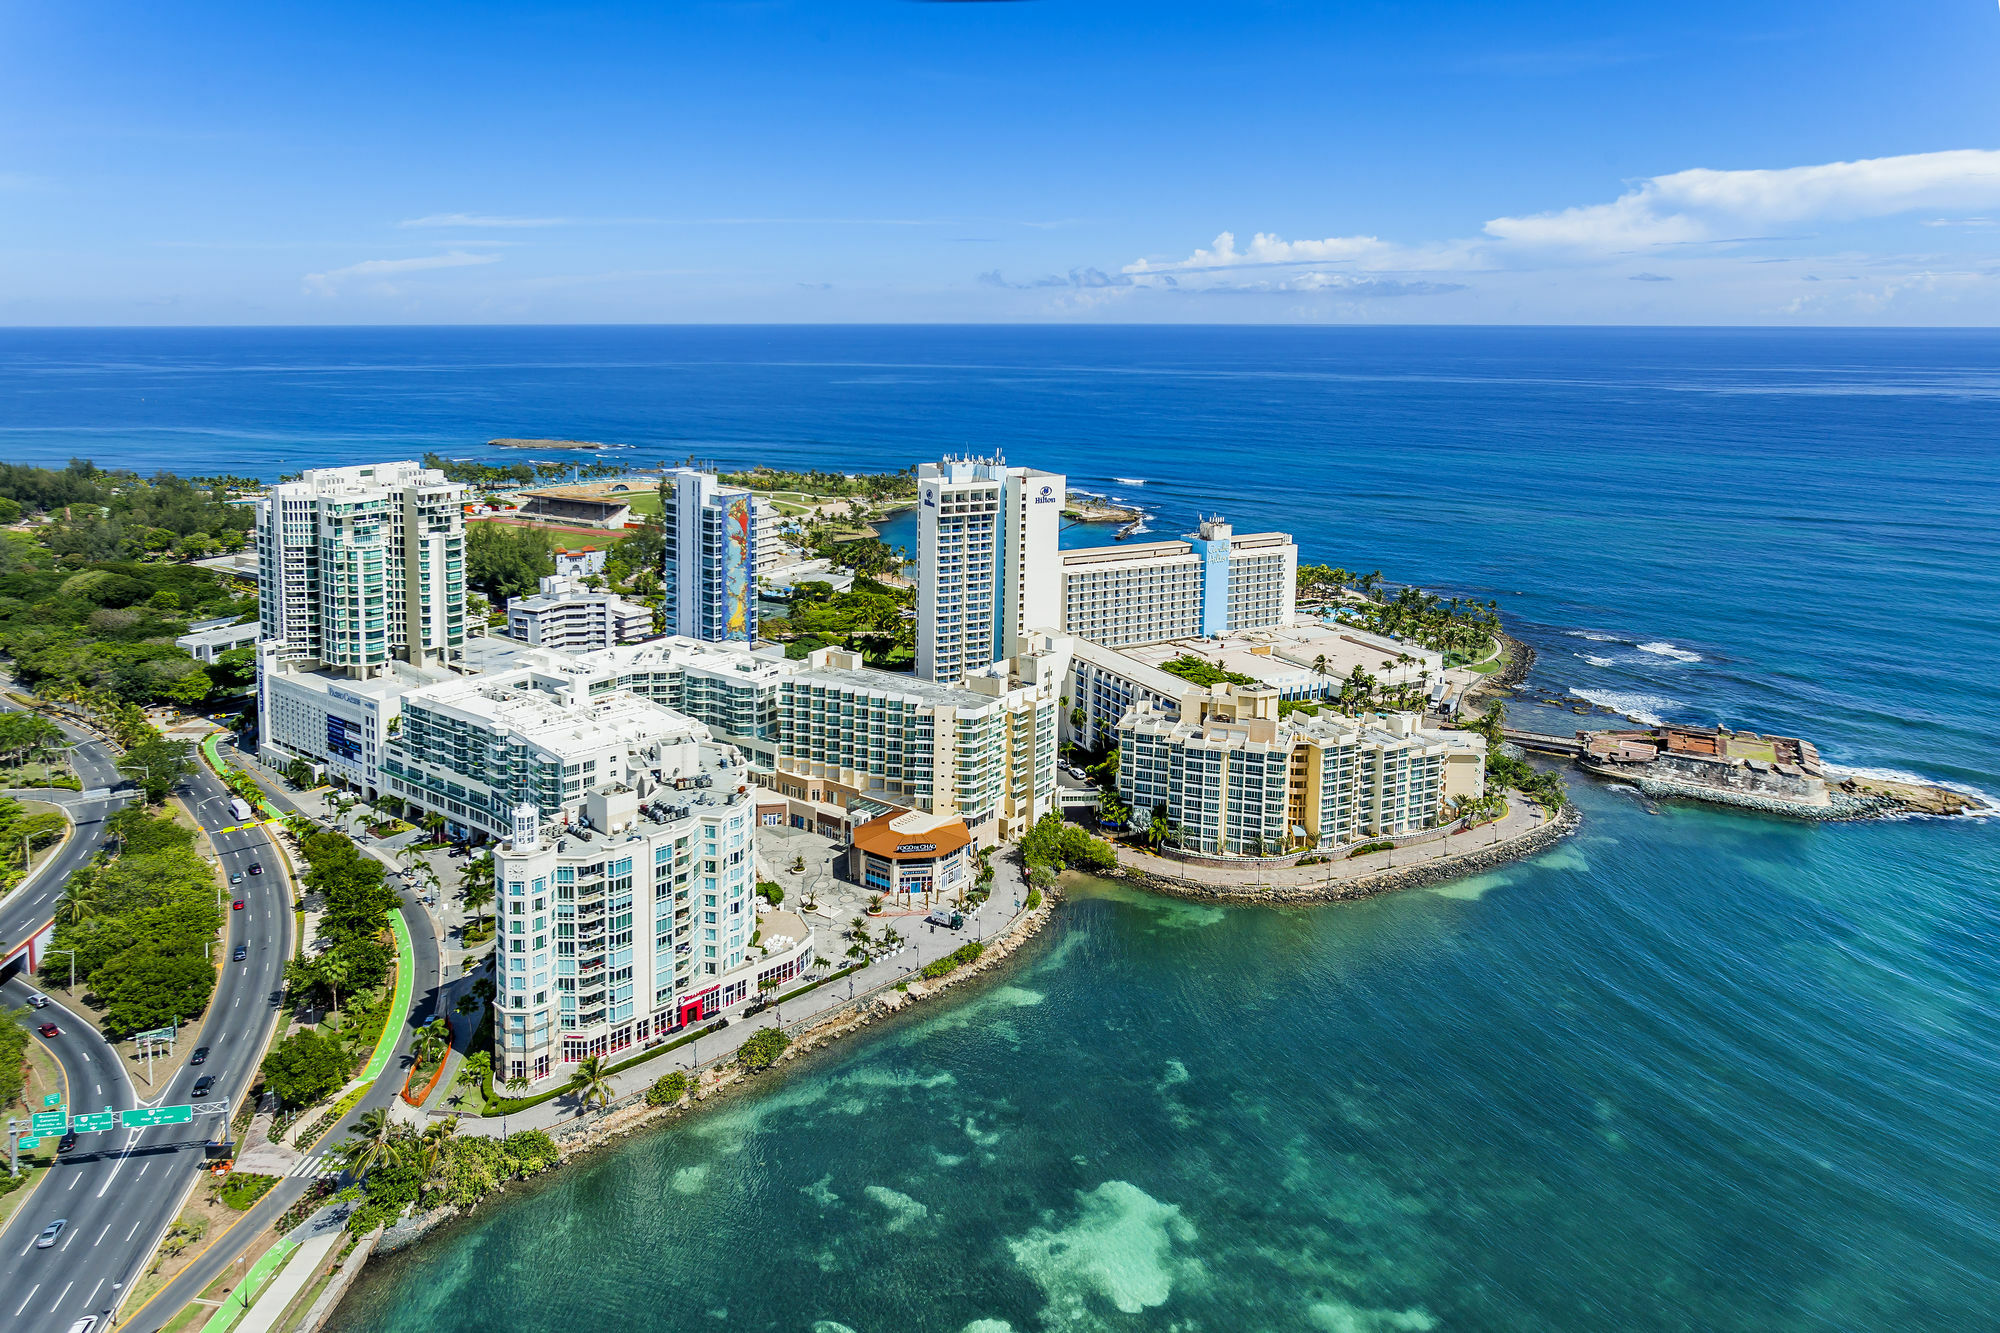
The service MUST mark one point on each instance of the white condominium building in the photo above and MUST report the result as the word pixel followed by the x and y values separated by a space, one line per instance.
pixel 829 730
pixel 727 687
pixel 360 576
pixel 360 565
pixel 766 531
pixel 566 614
pixel 1234 777
pixel 988 567
pixel 710 577
pixel 630 915
pixel 1212 583
pixel 473 748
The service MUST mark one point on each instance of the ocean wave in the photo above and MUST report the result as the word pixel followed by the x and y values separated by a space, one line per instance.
pixel 1669 650
pixel 1130 481
pixel 1645 707
pixel 1593 636
pixel 1598 661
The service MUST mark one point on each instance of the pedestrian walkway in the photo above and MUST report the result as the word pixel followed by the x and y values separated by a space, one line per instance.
pixel 300 1264
pixel 990 920
pixel 1247 876
pixel 319 1164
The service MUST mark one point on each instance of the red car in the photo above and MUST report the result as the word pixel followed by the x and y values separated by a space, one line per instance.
pixel 49 1030
pixel 236 906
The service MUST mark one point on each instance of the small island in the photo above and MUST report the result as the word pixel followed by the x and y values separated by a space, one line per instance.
pixel 584 445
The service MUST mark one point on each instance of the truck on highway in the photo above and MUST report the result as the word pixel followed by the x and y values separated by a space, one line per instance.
pixel 240 808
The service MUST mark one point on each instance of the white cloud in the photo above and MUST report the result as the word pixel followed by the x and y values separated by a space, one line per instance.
pixel 1711 227
pixel 389 268
pixel 1690 205
pixel 481 220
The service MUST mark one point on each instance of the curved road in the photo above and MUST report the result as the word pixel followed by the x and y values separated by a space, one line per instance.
pixel 120 1190
pixel 213 1262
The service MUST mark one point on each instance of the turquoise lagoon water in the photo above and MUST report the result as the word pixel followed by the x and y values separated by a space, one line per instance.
pixel 1693 1069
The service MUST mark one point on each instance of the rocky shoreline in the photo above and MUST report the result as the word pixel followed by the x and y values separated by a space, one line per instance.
pixel 725 1079
pixel 1386 881
pixel 1520 661
pixel 1851 800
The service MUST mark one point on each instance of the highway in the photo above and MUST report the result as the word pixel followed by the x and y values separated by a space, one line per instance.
pixel 427 968
pixel 120 1190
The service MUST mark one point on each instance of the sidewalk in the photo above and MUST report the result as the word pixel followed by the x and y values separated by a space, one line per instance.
pixel 301 1255
pixel 1523 817
pixel 992 919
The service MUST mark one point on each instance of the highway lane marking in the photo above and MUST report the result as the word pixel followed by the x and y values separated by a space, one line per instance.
pixel 130 1139
pixel 91 1299
pixel 73 1178
pixel 99 1241
pixel 135 1226
pixel 65 1245
pixel 59 1300
pixel 144 1169
pixel 25 1299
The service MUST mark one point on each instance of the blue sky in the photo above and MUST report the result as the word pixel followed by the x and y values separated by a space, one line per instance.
pixel 1049 160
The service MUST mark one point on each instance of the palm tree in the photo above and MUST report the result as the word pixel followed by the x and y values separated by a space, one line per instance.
pixel 434 825
pixel 431 1149
pixel 591 1082
pixel 373 1141
pixel 433 1040
pixel 475 1069
pixel 478 896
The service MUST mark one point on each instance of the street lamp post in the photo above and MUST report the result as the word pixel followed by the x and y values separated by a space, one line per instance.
pixel 72 967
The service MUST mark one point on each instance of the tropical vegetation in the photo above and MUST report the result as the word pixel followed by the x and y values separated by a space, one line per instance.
pixel 138 923
pixel 352 955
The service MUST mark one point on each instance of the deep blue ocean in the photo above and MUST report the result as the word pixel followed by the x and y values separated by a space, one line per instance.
pixel 1692 1070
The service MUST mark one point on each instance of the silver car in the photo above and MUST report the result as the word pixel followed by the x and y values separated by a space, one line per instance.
pixel 50 1232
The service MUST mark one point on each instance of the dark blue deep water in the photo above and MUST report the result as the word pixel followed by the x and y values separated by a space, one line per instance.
pixel 1691 1070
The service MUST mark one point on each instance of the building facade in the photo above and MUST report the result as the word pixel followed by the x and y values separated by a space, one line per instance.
pixel 360 582
pixel 1235 778
pixel 210 639
pixel 359 566
pixel 983 751
pixel 630 914
pixel 1211 583
pixel 988 567
pixel 567 615
pixel 710 578
pixel 914 858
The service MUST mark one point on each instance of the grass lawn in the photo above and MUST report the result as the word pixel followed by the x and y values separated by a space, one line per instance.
pixel 643 502
pixel 38 774
pixel 44 1077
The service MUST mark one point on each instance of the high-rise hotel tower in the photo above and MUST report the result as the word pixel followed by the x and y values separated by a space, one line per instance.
pixel 988 568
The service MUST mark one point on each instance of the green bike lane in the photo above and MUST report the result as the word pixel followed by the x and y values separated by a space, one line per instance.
pixel 419 984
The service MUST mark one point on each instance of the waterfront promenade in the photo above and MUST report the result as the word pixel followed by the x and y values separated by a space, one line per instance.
pixel 993 919
pixel 1525 828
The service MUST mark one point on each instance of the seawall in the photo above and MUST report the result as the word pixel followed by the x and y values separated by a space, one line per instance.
pixel 1386 881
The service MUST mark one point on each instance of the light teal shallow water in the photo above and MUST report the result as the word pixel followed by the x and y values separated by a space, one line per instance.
pixel 1693 1070
pixel 1687 1071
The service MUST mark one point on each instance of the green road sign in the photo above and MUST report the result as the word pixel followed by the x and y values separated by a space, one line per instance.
pixel 52 1099
pixel 92 1122
pixel 31 1142
pixel 155 1115
pixel 51 1122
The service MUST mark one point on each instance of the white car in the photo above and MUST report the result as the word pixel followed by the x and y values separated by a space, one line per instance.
pixel 38 1001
